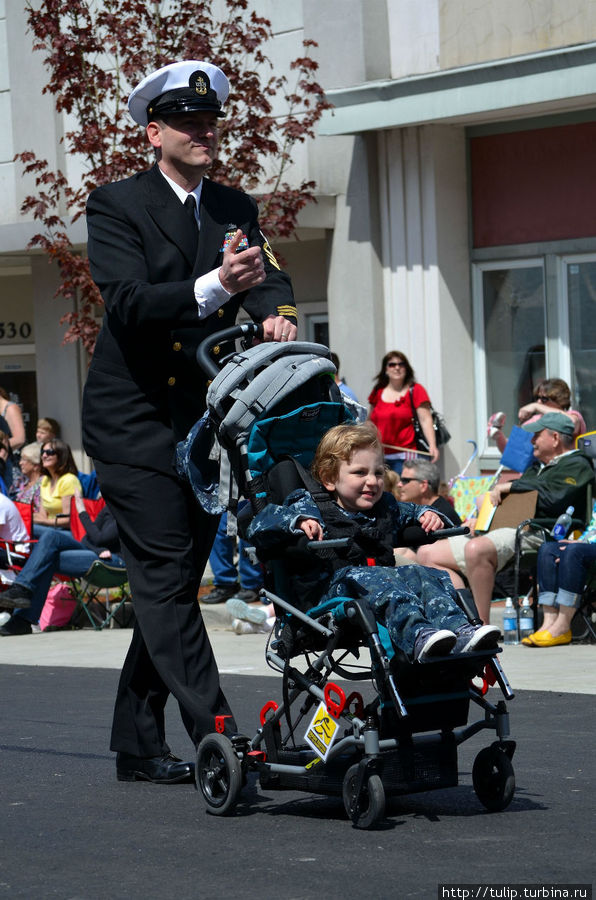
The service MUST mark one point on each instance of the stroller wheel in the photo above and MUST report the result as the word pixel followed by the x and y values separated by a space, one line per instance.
pixel 218 774
pixel 493 778
pixel 371 807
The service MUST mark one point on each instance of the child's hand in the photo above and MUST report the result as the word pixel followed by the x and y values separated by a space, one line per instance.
pixel 312 529
pixel 430 521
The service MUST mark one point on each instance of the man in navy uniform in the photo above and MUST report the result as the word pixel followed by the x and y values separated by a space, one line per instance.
pixel 174 256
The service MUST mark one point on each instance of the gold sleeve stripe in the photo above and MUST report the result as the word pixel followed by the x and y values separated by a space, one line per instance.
pixel 270 255
pixel 287 311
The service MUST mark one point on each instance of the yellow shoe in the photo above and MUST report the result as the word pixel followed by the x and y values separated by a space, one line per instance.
pixel 529 640
pixel 545 639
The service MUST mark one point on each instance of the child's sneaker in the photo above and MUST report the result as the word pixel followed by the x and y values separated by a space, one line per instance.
pixel 476 637
pixel 240 609
pixel 495 423
pixel 432 642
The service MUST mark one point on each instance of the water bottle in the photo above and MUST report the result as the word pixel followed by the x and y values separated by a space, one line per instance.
pixel 563 524
pixel 509 623
pixel 526 619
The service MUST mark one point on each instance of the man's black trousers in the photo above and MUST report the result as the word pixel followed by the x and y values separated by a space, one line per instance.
pixel 166 539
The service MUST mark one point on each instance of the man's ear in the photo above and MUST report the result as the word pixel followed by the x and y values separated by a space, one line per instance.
pixel 154 134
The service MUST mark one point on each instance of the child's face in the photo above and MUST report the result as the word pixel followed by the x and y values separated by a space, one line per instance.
pixel 43 434
pixel 359 482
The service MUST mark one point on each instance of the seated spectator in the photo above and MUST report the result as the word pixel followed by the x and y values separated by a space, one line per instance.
pixel 13 530
pixel 46 430
pixel 57 551
pixel 418 608
pixel 560 474
pixel 419 483
pixel 550 395
pixel 58 484
pixel 26 487
pixel 561 574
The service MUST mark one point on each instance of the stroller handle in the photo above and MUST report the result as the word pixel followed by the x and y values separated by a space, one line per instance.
pixel 415 534
pixel 246 330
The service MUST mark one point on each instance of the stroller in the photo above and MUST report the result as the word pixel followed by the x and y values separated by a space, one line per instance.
pixel 398 730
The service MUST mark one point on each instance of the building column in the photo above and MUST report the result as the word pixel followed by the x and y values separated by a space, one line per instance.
pixel 59 379
pixel 426 270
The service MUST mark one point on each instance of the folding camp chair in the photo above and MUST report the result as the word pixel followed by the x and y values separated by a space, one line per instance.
pixel 95 590
pixel 465 491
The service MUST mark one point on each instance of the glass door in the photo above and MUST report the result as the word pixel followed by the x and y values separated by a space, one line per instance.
pixel 580 284
pixel 510 328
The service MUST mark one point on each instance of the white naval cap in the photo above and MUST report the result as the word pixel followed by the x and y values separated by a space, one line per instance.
pixel 187 86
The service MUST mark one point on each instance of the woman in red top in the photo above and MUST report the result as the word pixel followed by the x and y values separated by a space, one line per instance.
pixel 392 408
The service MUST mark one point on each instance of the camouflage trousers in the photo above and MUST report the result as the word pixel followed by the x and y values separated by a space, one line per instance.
pixel 404 599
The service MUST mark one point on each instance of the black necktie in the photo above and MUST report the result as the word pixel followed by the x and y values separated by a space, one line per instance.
pixel 190 204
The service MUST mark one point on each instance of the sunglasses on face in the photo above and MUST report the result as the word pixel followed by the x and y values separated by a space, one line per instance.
pixel 396 365
pixel 541 398
pixel 48 452
pixel 407 480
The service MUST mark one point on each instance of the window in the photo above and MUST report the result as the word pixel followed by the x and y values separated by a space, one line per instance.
pixel 580 283
pixel 317 328
pixel 510 336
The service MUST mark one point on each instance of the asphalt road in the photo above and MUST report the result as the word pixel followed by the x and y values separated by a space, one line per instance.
pixel 70 830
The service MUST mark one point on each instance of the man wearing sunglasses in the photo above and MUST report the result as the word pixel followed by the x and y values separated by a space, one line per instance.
pixel 174 255
pixel 419 483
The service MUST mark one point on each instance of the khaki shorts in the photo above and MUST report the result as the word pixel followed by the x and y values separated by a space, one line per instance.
pixel 504 543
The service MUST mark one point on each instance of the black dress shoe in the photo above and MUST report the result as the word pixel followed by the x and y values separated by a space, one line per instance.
pixel 221 593
pixel 16 597
pixel 166 769
pixel 16 626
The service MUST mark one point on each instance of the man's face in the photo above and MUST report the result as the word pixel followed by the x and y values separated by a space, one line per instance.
pixel 187 142
pixel 547 445
pixel 411 486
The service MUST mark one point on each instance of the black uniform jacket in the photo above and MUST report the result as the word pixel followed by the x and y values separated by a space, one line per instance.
pixel 144 389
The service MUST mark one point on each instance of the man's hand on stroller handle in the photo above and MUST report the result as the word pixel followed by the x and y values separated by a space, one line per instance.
pixel 430 521
pixel 277 328
pixel 312 529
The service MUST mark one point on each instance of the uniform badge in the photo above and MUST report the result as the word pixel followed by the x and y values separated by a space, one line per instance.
pixel 243 245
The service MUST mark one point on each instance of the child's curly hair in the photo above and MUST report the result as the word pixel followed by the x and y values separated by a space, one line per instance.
pixel 339 445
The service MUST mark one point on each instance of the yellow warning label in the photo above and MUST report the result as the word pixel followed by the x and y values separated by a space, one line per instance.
pixel 322 731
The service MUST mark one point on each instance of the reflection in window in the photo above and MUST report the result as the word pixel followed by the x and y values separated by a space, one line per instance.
pixel 514 337
pixel 581 292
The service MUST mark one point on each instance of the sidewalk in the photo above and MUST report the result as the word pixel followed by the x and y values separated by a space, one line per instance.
pixel 569 669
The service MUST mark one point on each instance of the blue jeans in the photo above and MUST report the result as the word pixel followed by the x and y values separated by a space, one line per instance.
pixel 562 582
pixel 222 565
pixel 55 551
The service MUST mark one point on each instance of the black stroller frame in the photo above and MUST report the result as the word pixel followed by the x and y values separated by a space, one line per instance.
pixel 323 740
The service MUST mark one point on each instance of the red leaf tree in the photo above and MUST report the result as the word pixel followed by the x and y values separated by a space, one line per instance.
pixel 95 52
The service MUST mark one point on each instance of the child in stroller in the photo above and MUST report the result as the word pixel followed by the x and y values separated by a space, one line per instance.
pixel 269 407
pixel 416 605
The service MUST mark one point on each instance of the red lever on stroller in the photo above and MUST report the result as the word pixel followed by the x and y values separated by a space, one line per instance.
pixel 335 707
pixel 270 705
